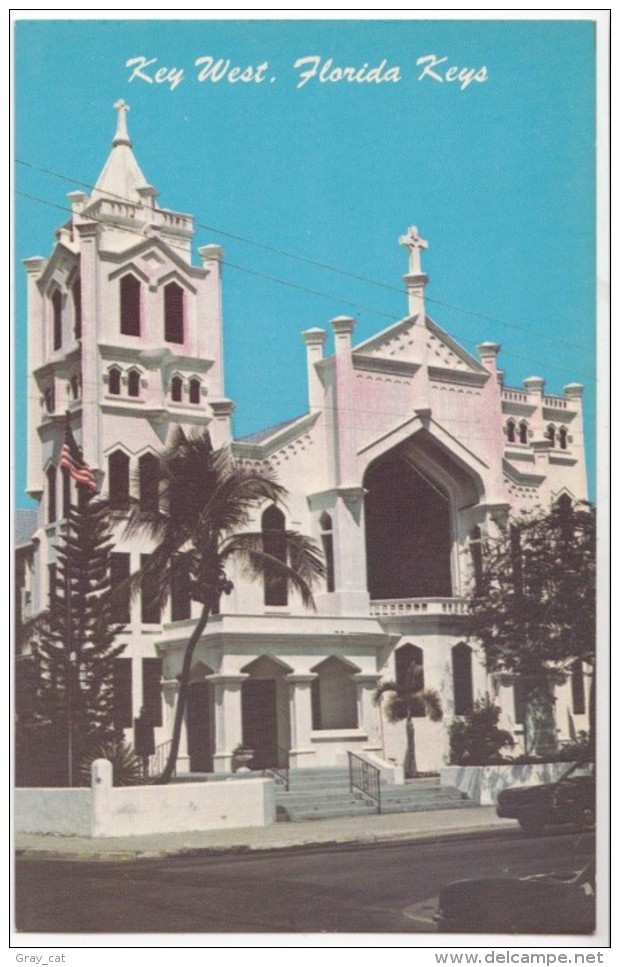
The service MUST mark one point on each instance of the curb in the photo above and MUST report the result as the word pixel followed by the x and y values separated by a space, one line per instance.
pixel 365 839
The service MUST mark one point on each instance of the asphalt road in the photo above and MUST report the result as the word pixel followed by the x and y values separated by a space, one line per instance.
pixel 360 889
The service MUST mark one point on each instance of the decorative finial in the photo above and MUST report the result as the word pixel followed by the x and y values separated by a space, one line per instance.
pixel 415 243
pixel 121 136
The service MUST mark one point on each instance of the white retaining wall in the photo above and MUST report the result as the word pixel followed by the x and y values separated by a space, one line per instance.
pixel 106 811
pixel 483 783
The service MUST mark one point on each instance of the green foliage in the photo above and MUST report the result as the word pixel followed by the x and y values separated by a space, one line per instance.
pixel 534 606
pixel 207 498
pixel 406 700
pixel 70 669
pixel 477 740
pixel 126 766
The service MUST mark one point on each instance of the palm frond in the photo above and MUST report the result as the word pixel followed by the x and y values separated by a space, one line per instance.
pixel 305 567
pixel 433 706
pixel 382 689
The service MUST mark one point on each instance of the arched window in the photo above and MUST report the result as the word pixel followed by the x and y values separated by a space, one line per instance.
pixel 51 494
pixel 176 389
pixel 114 381
pixel 76 293
pixel 274 543
pixel 511 431
pixel 133 382
pixel 462 679
pixel 130 305
pixel 522 432
pixel 148 471
pixel 180 590
pixel 578 691
pixel 563 437
pixel 66 494
pixel 173 313
pixel 404 657
pixel 334 696
pixel 551 434
pixel 194 390
pixel 118 480
pixel 475 548
pixel 50 399
pixel 327 540
pixel 564 504
pixel 57 319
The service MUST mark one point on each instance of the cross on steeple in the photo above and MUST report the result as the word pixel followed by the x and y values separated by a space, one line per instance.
pixel 415 243
pixel 121 136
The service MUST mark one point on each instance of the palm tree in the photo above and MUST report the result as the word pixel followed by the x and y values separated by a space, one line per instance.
pixel 405 700
pixel 206 498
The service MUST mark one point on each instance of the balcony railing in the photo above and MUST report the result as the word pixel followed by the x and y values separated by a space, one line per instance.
pixel 395 607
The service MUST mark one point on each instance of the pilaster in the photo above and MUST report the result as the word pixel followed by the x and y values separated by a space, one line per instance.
pixel 91 377
pixel 367 712
pixel 300 715
pixel 228 723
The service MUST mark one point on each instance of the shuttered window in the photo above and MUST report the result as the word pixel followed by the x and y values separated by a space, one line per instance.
pixel 151 689
pixel 123 711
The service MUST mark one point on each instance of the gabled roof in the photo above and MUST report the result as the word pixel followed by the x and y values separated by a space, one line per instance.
pixel 396 343
pixel 261 435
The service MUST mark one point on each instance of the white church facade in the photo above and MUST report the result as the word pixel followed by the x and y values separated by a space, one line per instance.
pixel 411 452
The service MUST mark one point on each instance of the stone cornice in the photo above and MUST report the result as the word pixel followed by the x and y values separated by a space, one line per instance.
pixel 151 242
pixel 459 377
pixel 60 251
pixel 378 364
pixel 525 479
pixel 280 438
pixel 153 358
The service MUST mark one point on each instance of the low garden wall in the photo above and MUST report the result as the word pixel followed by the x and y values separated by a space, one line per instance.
pixel 105 810
pixel 483 783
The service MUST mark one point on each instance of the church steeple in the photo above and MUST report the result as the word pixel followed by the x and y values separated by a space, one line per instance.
pixel 121 178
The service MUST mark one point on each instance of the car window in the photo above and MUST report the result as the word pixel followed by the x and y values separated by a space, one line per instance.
pixel 579 769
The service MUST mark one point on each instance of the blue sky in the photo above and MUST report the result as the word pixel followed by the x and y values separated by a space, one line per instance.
pixel 498 175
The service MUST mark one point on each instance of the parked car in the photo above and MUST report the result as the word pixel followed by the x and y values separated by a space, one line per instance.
pixel 552 903
pixel 571 799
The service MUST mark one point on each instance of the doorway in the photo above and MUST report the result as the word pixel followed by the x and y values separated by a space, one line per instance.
pixel 199 731
pixel 259 721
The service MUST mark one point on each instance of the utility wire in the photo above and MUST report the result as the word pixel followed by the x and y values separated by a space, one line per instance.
pixel 317 264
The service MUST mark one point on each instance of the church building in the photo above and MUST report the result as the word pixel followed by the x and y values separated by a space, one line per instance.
pixel 410 454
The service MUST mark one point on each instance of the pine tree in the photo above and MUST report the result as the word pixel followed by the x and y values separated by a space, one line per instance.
pixel 74 649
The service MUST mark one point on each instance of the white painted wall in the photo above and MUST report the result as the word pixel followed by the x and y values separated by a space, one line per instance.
pixel 60 812
pixel 105 811
pixel 483 783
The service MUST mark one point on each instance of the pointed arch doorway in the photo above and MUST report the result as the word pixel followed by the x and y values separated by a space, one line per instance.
pixel 264 710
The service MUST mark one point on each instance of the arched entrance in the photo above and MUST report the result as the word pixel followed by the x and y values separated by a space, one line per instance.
pixel 408 532
pixel 264 710
pixel 200 721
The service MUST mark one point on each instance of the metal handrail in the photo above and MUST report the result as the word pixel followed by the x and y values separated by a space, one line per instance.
pixel 281 769
pixel 366 778
pixel 158 760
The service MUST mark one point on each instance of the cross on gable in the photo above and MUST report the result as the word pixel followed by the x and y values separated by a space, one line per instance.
pixel 415 243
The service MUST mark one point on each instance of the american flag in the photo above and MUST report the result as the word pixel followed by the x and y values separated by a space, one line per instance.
pixel 72 461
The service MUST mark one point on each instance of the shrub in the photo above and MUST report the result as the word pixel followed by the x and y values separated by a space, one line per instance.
pixel 126 767
pixel 477 740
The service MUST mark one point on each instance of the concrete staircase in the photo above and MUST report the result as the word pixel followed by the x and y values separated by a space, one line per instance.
pixel 324 793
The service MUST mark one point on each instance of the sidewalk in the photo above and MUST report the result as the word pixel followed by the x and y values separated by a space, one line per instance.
pixel 393 827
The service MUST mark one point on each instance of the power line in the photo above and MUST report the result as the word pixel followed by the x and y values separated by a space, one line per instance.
pixel 285 282
pixel 322 265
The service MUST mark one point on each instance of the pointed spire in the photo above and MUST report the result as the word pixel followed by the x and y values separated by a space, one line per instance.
pixel 121 178
pixel 121 136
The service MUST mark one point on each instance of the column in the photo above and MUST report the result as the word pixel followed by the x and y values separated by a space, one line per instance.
pixel 300 715
pixel 170 692
pixel 228 721
pixel 367 713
